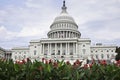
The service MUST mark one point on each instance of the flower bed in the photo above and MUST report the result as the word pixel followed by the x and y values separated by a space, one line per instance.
pixel 55 70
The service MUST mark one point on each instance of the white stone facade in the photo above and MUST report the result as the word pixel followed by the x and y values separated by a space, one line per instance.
pixel 5 54
pixel 67 49
pixel 64 42
pixel 103 52
pixel 20 53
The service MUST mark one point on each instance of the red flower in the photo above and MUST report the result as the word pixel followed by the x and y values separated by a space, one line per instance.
pixel 68 63
pixel 103 62
pixel 78 62
pixel 23 61
pixel 20 62
pixel 55 64
pixel 117 63
pixel 85 66
pixel 46 62
pixel 50 61
pixel 43 59
pixel 28 59
pixel 75 65
pixel 90 65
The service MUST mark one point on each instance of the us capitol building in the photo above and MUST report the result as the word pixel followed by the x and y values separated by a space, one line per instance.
pixel 64 42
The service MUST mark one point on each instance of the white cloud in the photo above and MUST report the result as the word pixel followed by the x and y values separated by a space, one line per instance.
pixel 2 16
pixel 94 17
pixel 32 32
pixel 6 34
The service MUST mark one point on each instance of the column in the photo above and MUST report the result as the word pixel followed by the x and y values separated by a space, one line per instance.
pixel 73 48
pixel 66 49
pixel 76 48
pixel 40 49
pixel 63 34
pixel 60 48
pixel 69 34
pixel 72 34
pixel 53 35
pixel 66 34
pixel 43 48
pixel 50 49
pixel 55 48
pixel 57 35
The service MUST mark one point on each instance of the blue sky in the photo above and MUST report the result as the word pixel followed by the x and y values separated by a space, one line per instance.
pixel 24 20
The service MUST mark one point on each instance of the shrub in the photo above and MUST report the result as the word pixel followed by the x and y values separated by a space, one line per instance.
pixel 58 70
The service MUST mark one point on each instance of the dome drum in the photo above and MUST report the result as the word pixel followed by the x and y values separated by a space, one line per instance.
pixel 64 34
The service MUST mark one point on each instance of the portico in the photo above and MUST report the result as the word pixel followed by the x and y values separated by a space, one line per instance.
pixel 59 48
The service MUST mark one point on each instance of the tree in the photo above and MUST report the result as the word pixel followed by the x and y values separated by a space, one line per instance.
pixel 118 53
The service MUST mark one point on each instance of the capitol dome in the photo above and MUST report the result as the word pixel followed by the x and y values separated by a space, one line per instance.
pixel 64 26
pixel 64 16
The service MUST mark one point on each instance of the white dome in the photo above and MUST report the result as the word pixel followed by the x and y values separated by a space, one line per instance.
pixel 64 17
pixel 64 26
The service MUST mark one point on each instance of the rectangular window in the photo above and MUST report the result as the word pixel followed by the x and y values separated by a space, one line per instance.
pixel 84 51
pixel 35 52
pixel 102 56
pixel 63 52
pixel 107 55
pixel 53 52
pixel 58 52
pixel 24 56
pixel 15 57
pixel 96 56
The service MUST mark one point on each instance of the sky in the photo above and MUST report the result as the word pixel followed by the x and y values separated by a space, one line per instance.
pixel 24 20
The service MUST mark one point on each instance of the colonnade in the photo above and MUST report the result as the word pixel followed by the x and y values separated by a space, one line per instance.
pixel 8 56
pixel 64 34
pixel 59 48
